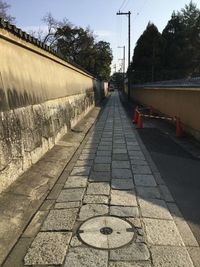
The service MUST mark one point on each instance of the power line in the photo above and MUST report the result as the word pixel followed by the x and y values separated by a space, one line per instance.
pixel 141 8
pixel 126 4
pixel 122 4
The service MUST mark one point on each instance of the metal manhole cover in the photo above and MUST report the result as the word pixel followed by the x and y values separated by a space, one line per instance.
pixel 106 232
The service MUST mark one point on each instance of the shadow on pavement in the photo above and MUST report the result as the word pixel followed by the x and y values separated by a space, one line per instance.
pixel 179 169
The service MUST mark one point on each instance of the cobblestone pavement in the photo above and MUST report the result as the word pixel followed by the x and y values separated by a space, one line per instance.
pixel 114 200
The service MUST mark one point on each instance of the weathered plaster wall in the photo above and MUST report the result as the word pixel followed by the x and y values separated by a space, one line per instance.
pixel 41 98
pixel 31 75
pixel 181 102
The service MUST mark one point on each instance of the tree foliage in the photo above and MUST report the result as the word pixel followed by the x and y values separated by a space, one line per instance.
pixel 4 12
pixel 147 57
pixel 78 45
pixel 176 51
pixel 117 79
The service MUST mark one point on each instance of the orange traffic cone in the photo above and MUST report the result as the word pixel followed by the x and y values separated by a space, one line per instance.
pixel 179 129
pixel 135 119
pixel 139 122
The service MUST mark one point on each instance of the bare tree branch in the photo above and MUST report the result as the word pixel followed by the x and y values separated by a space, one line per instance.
pixel 3 12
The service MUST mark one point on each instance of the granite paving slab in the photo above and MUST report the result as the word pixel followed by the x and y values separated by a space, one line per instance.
pixel 141 169
pixel 122 211
pixel 91 210
pixel 148 192
pixel 101 167
pixel 120 157
pixel 105 148
pixel 103 159
pixel 129 264
pixel 75 242
pixel 122 184
pixel 118 164
pixel 167 256
pixel 76 181
pixel 103 153
pixel 131 252
pixel 74 194
pixel 86 257
pixel 95 199
pixel 122 173
pixel 154 208
pixel 60 220
pixel 162 232
pixel 135 153
pixel 144 180
pixel 139 162
pixel 98 189
pixel 119 146
pixel 100 176
pixel 119 150
pixel 123 198
pixel 67 205
pixel 194 255
pixel 48 249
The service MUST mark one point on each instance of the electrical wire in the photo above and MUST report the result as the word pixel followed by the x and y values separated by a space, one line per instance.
pixel 126 4
pixel 139 11
pixel 122 4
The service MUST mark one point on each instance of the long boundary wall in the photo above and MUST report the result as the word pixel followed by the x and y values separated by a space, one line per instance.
pixel 180 102
pixel 41 98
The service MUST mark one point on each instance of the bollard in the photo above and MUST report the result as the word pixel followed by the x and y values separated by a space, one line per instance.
pixel 135 119
pixel 139 122
pixel 179 129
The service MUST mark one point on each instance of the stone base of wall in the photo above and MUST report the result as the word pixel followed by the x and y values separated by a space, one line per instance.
pixel 27 133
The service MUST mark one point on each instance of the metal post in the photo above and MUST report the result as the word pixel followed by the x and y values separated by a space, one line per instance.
pixel 129 45
pixel 123 57
pixel 129 38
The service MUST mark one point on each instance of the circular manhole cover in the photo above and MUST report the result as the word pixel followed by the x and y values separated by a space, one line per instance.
pixel 106 232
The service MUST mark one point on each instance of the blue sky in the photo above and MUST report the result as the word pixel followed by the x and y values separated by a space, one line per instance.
pixel 100 16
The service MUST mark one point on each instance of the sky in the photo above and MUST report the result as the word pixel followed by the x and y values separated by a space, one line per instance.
pixel 100 16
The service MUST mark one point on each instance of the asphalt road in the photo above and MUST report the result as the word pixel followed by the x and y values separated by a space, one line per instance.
pixel 180 171
pixel 178 167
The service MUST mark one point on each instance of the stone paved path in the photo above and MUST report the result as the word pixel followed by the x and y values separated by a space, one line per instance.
pixel 111 176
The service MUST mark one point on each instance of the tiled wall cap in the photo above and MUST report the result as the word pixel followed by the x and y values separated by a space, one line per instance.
pixel 29 38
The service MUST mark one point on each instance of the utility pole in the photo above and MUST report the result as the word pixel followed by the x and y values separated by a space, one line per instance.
pixel 123 57
pixel 129 45
pixel 123 64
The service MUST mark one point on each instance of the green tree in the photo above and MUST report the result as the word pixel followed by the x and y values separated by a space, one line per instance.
pixel 117 79
pixel 79 46
pixel 103 59
pixel 191 19
pixel 146 62
pixel 181 38
pixel 76 44
pixel 175 42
